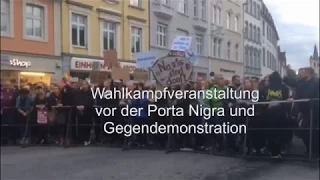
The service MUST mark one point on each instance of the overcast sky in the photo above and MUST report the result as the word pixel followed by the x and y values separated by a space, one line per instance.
pixel 297 22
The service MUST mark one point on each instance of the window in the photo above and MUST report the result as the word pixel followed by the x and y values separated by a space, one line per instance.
pixel 5 16
pixel 136 3
pixel 34 21
pixel 263 28
pixel 203 9
pixel 199 45
pixel 254 34
pixel 181 32
pixel 195 8
pixel 246 29
pixel 250 32
pixel 258 35
pixel 228 20
pixel 264 56
pixel 251 57
pixel 219 48
pixel 165 2
pixel 247 56
pixel 236 23
pixel 182 6
pixel 250 6
pixel 229 50
pixel 79 30
pixel 255 60
pixel 218 16
pixel 258 11
pixel 246 7
pixel 109 36
pixel 213 11
pixel 237 52
pixel 254 9
pixel 268 59
pixel 161 35
pixel 215 45
pixel 136 39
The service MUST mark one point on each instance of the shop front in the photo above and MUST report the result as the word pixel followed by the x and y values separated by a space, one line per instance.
pixel 82 67
pixel 21 70
pixel 227 68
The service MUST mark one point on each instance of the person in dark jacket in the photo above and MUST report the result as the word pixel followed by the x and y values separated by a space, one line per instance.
pixel 66 97
pixel 308 88
pixel 84 112
pixel 116 118
pixel 24 105
pixel 8 112
pixel 142 117
pixel 277 113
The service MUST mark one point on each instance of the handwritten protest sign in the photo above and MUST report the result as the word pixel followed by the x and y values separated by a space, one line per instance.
pixel 121 73
pixel 172 70
pixel 181 43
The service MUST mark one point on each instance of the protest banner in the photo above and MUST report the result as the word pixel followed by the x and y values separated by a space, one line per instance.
pixel 120 73
pixel 145 60
pixel 111 59
pixel 172 70
pixel 98 76
pixel 181 43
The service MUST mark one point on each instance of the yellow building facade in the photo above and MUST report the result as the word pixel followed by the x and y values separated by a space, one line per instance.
pixel 91 26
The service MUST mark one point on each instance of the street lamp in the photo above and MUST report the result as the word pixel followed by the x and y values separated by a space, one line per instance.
pixel 243 34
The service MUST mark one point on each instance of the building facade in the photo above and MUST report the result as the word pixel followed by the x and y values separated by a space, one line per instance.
pixel 226 38
pixel 90 27
pixel 270 39
pixel 315 60
pixel 171 18
pixel 30 41
pixel 253 38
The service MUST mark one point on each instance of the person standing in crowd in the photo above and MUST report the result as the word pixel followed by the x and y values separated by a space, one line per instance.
pixel 276 114
pixel 53 100
pixel 215 102
pixel 255 82
pixel 108 103
pixel 66 97
pixel 205 104
pixel 8 112
pixel 84 112
pixel 24 105
pixel 308 88
pixel 39 131
pixel 142 117
pixel 232 138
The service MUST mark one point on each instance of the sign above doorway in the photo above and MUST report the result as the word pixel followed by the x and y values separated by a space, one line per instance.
pixel 16 62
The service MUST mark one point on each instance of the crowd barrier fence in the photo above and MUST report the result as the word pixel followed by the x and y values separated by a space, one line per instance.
pixel 69 111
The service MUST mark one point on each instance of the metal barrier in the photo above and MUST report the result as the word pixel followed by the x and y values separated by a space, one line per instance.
pixel 72 114
pixel 311 127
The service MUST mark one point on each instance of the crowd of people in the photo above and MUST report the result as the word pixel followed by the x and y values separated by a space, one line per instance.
pixel 64 114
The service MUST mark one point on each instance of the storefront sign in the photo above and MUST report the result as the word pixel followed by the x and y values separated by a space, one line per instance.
pixel 84 64
pixel 171 71
pixel 16 62
pixel 227 70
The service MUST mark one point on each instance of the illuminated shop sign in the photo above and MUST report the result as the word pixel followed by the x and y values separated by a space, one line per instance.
pixel 16 62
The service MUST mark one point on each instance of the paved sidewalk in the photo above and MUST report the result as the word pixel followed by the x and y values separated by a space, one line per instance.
pixel 100 163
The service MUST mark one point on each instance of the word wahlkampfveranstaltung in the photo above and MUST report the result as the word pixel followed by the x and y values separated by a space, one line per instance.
pixel 125 93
